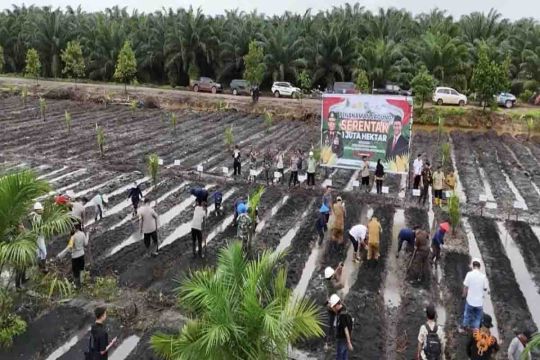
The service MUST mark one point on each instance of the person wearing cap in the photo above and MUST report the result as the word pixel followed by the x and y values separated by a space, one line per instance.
pixel 293 178
pixel 244 225
pixel 332 279
pixel 136 195
pixel 311 168
pixel 417 168
pixel 420 266
pixel 148 226
pixel 36 218
pixel 99 201
pixel 482 345
pixel 438 241
pixel 374 233
pixel 343 324
pixel 338 209
pixel 438 184
pixel 406 235
pixel 474 285
pixel 76 245
pixel 61 200
pixel 365 173
pixel 357 235
pixel 322 221
pixel 518 344
pixel 427 181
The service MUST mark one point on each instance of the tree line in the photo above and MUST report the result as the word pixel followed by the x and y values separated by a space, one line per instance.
pixel 341 44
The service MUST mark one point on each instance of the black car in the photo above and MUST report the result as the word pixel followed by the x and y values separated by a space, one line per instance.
pixel 240 87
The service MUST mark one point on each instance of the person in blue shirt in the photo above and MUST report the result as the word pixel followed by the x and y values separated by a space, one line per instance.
pixel 201 195
pixel 218 199
pixel 322 221
pixel 406 235
pixel 438 241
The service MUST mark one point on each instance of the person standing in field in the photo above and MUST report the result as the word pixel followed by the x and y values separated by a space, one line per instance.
pixel 300 160
pixel 311 168
pixel 374 233
pixel 417 168
pixel 322 221
pixel 252 164
pixel 267 164
pixel 379 176
pixel 148 226
pixel 328 200
pixel 430 337
pixel 343 328
pixel 450 181
pixel 99 201
pixel 36 219
pixel 438 183
pixel 237 161
pixel 98 344
pixel 474 285
pixel 339 221
pixel 365 173
pixel 77 242
pixel 482 345
pixel 437 242
pixel 280 165
pixel 294 170
pixel 518 344
pixel 357 236
pixel 135 194
pixel 244 225
pixel 427 180
pixel 197 224
pixel 406 235
pixel 420 270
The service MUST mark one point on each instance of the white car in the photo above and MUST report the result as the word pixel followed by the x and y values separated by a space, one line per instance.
pixel 284 89
pixel 446 95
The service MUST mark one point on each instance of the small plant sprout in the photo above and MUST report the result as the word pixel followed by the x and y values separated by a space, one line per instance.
pixel 222 105
pixel 67 119
pixel 440 128
pixel 253 203
pixel 42 108
pixel 529 121
pixel 100 137
pixel 24 95
pixel 107 99
pixel 454 211
pixel 133 105
pixel 152 164
pixel 268 120
pixel 229 137
pixel 445 153
pixel 174 121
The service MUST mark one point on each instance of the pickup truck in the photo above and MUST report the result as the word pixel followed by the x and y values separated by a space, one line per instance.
pixel 392 89
pixel 205 84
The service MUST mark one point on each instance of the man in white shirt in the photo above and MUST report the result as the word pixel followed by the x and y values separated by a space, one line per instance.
pixel 99 201
pixel 196 229
pixel 357 235
pixel 148 225
pixel 475 284
pixel 418 164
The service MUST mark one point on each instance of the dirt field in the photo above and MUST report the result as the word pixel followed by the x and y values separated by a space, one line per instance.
pixel 387 308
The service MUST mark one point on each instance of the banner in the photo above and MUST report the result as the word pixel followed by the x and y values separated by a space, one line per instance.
pixel 377 127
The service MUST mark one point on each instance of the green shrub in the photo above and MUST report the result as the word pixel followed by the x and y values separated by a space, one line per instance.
pixel 268 120
pixel 11 324
pixel 103 288
pixel 454 211
pixel 152 164
pixel 525 96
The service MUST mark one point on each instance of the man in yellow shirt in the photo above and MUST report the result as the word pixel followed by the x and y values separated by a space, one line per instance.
pixel 438 182
pixel 374 232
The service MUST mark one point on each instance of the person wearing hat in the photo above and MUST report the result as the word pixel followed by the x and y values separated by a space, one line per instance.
pixel 332 279
pixel 311 168
pixel 427 181
pixel 365 173
pixel 244 225
pixel 322 221
pixel 339 221
pixel 374 233
pixel 343 325
pixel 438 241
pixel 482 345
pixel 99 201
pixel 517 345
pixel 36 218
pixel 474 285
pixel 357 235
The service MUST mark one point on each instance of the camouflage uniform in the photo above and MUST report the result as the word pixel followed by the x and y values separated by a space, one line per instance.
pixel 243 229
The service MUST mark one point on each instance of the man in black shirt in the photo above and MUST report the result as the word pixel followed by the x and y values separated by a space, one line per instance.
pixel 343 326
pixel 99 339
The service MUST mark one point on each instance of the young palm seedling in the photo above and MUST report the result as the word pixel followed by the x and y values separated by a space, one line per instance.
pixel 454 211
pixel 268 120
pixel 133 106
pixel 440 128
pixel 253 203
pixel 445 153
pixel 152 163
pixel 42 108
pixel 24 95
pixel 67 119
pixel 100 137
pixel 229 137
pixel 174 121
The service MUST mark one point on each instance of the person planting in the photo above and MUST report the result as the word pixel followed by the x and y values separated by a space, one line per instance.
pixel 374 233
pixel 244 225
pixel 201 196
pixel 438 183
pixel 420 271
pixel 437 242
pixel 135 194
pixel 332 279
pixel 148 226
pixel 99 201
pixel 482 345
pixel 76 244
pixel 430 337
pixel 406 235
pixel 474 285
pixel 339 221
pixel 218 199
pixel 357 235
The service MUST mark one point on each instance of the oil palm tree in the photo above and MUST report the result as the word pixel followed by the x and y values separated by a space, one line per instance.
pixel 17 243
pixel 240 310
pixel 380 59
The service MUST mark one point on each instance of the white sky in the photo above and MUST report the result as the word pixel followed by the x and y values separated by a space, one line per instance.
pixel 512 9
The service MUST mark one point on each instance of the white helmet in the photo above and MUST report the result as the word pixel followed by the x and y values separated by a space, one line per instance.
pixel 38 206
pixel 105 199
pixel 311 153
pixel 328 272
pixel 334 299
pixel 70 194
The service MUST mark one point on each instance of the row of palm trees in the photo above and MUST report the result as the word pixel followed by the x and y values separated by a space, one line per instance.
pixel 173 45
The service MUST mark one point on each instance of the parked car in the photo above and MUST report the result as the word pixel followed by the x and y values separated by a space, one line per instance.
pixel 446 95
pixel 506 99
pixel 345 88
pixel 391 89
pixel 280 88
pixel 240 87
pixel 206 84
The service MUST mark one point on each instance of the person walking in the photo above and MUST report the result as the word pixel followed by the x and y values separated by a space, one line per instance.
pixel 148 226
pixel 78 210
pixel 518 344
pixel 438 184
pixel 328 200
pixel 218 200
pixel 379 176
pixel 482 345
pixel 293 178
pixel 374 233
pixel 76 244
pixel 417 169
pixel 136 195
pixel 99 202
pixel 252 164
pixel 244 226
pixel 427 180
pixel 343 328
pixel 201 196
pixel 474 285
pixel 322 221
pixel 420 270
pixel 98 343
pixel 267 164
pixel 437 242
pixel 311 168
pixel 430 337
pixel 237 161
pixel 406 235
pixel 197 223
pixel 280 165
pixel 357 235
pixel 338 209
pixel 36 219
pixel 365 173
